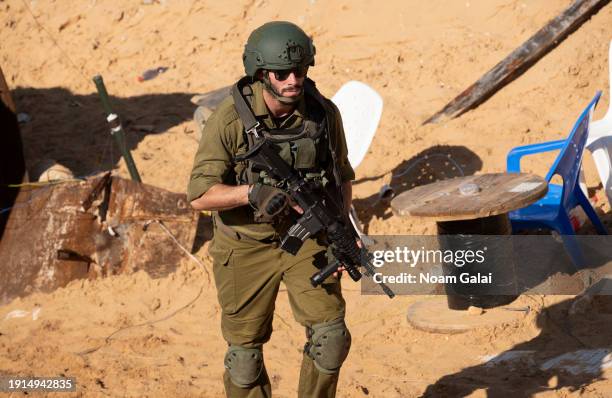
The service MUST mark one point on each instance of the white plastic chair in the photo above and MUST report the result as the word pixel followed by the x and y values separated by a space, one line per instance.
pixel 360 107
pixel 599 142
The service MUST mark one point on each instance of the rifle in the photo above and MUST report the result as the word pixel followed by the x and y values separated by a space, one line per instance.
pixel 320 214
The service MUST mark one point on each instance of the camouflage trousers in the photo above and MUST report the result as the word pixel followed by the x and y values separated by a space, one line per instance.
pixel 248 275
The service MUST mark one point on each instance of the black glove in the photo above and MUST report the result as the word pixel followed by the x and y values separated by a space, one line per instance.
pixel 268 201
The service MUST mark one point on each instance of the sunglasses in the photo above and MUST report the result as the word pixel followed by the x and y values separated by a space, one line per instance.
pixel 282 75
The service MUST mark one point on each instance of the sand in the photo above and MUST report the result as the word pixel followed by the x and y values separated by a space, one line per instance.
pixel 131 335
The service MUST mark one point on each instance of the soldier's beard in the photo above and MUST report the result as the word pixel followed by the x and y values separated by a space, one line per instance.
pixel 285 100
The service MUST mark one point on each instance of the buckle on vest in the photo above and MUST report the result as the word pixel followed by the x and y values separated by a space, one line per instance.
pixel 254 130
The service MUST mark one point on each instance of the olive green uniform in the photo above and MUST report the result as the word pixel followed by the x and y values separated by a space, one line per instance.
pixel 248 265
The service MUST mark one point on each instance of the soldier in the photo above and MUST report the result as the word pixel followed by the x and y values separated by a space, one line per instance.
pixel 251 213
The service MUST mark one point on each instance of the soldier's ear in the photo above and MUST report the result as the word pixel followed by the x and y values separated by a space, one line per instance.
pixel 259 75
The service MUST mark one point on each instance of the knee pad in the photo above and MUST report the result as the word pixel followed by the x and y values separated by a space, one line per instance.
pixel 244 365
pixel 328 345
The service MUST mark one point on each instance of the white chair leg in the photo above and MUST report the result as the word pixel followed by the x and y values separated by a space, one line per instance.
pixel 601 156
pixel 600 142
pixel 357 224
pixel 582 182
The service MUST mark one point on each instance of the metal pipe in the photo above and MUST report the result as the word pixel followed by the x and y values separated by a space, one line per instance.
pixel 116 128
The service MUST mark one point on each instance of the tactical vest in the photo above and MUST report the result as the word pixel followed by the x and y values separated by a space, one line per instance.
pixel 308 149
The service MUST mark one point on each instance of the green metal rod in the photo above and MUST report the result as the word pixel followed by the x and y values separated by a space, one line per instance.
pixel 116 128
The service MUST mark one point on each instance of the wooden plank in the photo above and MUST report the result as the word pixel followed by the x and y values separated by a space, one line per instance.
pixel 520 59
pixel 470 197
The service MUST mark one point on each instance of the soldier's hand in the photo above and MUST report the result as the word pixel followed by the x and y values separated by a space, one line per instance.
pixel 338 274
pixel 268 200
pixel 296 207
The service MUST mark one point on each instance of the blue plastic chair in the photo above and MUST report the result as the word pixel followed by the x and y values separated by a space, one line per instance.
pixel 552 211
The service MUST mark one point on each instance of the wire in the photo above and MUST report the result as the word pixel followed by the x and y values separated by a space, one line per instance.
pixel 45 185
pixel 108 338
pixel 85 78
pixel 24 203
pixel 64 53
pixel 194 258
pixel 102 157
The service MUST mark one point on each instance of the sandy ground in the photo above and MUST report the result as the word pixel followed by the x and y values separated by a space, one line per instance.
pixel 131 335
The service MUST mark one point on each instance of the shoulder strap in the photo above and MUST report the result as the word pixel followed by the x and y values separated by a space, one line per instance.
pixel 251 125
pixel 311 89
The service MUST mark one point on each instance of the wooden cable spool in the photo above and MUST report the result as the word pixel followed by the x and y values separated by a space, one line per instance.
pixel 474 207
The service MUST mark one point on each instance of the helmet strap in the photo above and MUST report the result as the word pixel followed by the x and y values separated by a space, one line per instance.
pixel 285 100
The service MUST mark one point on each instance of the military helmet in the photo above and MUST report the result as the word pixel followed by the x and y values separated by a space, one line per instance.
pixel 275 46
